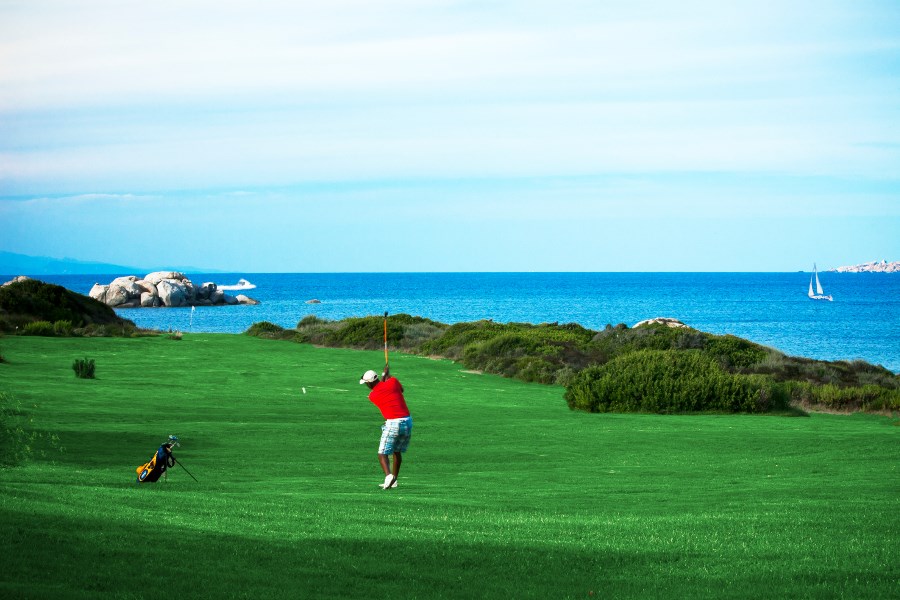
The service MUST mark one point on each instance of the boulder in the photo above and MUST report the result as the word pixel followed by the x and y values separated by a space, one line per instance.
pixel 217 297
pixel 147 286
pixel 668 322
pixel 172 292
pixel 16 279
pixel 98 292
pixel 231 300
pixel 116 295
pixel 205 290
pixel 242 299
pixel 158 276
pixel 149 300
pixel 132 290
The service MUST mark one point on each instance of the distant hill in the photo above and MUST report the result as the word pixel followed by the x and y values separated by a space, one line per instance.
pixel 13 264
pixel 21 264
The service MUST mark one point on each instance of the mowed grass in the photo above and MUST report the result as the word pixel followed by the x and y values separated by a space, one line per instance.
pixel 504 492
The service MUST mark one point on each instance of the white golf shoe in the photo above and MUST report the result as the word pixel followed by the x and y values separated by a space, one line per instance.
pixel 389 482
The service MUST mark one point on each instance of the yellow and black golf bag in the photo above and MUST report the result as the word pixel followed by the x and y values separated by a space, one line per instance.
pixel 157 466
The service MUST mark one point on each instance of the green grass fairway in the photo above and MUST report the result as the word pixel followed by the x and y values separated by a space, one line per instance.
pixel 504 492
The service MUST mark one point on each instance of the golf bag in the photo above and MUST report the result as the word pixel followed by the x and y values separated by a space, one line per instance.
pixel 157 466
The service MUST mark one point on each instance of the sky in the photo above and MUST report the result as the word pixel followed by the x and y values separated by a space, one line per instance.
pixel 416 135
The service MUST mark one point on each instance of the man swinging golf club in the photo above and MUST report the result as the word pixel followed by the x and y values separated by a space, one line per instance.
pixel 387 394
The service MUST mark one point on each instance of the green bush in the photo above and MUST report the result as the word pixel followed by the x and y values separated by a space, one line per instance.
pixel 667 381
pixel 84 368
pixel 42 328
pixel 62 328
pixel 734 352
pixel 535 369
pixel 264 327
pixel 832 397
pixel 416 335
pixel 310 320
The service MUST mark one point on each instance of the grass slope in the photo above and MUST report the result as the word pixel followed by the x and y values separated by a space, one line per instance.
pixel 505 491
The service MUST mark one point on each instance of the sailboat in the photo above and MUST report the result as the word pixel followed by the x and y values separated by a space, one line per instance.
pixel 820 293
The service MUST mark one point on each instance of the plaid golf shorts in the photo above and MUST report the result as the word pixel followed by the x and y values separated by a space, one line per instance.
pixel 395 434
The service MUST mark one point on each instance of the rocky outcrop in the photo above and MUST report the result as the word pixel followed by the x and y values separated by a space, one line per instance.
pixel 662 321
pixel 160 289
pixel 16 279
pixel 882 266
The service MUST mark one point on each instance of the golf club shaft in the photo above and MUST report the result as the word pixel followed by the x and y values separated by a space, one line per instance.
pixel 185 470
pixel 385 339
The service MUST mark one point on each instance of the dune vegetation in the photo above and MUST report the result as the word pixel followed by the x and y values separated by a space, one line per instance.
pixel 650 368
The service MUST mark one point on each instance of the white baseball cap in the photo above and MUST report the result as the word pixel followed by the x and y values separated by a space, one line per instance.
pixel 369 377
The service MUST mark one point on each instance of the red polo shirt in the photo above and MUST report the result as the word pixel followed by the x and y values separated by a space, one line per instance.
pixel 388 397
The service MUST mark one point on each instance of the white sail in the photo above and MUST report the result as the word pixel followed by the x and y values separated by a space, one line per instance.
pixel 821 293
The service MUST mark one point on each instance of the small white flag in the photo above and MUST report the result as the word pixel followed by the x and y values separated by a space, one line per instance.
pixel 193 308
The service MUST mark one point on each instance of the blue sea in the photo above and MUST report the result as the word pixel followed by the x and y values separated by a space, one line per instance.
pixel 772 309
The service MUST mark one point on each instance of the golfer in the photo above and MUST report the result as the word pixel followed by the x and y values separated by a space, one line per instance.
pixel 387 395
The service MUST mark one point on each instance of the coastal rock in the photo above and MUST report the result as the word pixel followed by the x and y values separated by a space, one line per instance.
pixel 158 276
pixel 129 285
pixel 98 292
pixel 314 301
pixel 149 300
pixel 16 279
pixel 172 292
pixel 876 266
pixel 116 295
pixel 147 286
pixel 164 288
pixel 668 322
pixel 205 291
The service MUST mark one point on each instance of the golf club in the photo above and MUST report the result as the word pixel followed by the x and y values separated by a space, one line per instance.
pixel 385 339
pixel 173 441
pixel 185 470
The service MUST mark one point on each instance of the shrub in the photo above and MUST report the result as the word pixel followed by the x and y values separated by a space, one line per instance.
pixel 734 352
pixel 359 332
pixel 310 320
pixel 263 328
pixel 565 376
pixel 84 368
pixel 62 328
pixel 535 369
pixel 666 381
pixel 832 397
pixel 42 328
pixel 416 335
